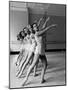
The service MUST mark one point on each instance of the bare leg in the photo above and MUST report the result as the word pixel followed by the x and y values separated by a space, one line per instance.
pixel 30 56
pixel 36 58
pixel 23 60
pixel 35 68
pixel 44 63
pixel 21 64
pixel 19 59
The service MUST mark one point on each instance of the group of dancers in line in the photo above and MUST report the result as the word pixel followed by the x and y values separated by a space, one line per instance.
pixel 32 49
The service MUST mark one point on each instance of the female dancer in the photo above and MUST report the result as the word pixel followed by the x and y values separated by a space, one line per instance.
pixel 39 52
pixel 31 52
pixel 24 49
pixel 20 37
pixel 32 32
pixel 25 30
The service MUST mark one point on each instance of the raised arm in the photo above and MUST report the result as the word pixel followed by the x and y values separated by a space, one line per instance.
pixel 39 21
pixel 44 25
pixel 45 29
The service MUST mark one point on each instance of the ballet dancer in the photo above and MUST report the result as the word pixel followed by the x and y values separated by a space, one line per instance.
pixel 39 52
pixel 31 53
pixel 23 50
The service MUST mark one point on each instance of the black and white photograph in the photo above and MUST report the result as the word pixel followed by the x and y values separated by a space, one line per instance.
pixel 37 44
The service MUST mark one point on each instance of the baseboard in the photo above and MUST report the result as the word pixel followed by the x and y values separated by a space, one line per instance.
pixel 48 50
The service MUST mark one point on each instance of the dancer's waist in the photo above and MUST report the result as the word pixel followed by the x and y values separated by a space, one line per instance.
pixel 40 49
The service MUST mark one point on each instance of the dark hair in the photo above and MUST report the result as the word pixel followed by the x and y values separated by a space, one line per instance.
pixel 36 25
pixel 33 31
pixel 24 30
pixel 31 26
pixel 20 36
pixel 28 31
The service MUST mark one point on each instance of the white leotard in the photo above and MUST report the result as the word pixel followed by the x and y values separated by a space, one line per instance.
pixel 34 43
pixel 26 44
pixel 30 43
pixel 40 49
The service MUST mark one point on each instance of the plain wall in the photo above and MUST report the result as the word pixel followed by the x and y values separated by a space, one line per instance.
pixel 18 20
pixel 56 37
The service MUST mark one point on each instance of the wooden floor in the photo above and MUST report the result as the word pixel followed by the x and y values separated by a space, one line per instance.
pixel 55 73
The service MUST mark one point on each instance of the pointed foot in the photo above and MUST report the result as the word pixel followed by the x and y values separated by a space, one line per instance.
pixel 24 81
pixel 43 81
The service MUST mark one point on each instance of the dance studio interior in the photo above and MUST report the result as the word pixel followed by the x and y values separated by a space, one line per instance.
pixel 20 15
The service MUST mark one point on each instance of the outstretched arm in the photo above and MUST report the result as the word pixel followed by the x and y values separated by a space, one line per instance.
pixel 44 25
pixel 39 21
pixel 45 29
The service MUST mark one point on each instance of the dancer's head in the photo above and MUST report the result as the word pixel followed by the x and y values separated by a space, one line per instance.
pixel 29 27
pixel 21 35
pixel 35 27
pixel 26 31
